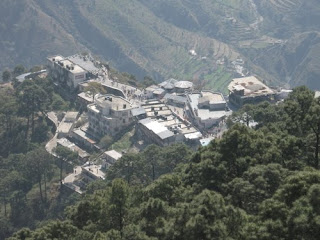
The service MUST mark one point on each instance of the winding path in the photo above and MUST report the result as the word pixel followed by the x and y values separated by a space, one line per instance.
pixel 52 144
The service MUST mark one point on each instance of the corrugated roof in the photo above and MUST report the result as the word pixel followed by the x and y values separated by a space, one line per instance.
pixel 157 128
pixel 175 98
pixel 138 111
pixel 165 134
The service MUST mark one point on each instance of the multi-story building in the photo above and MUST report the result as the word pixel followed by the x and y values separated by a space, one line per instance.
pixel 65 71
pixel 109 114
pixel 75 69
pixel 206 109
pixel 249 90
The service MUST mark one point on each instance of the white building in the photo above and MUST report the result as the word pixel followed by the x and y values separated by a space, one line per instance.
pixel 65 71
pixel 110 157
pixel 109 114
pixel 206 108
pixel 249 90
pixel 67 124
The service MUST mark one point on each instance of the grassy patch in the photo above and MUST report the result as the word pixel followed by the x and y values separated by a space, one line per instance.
pixel 218 80
pixel 124 143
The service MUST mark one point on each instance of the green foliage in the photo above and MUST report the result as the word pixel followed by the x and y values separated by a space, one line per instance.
pixel 27 171
pixel 106 141
pixel 253 183
pixel 153 162
pixel 18 70
pixel 6 76
pixel 66 153
pixel 94 88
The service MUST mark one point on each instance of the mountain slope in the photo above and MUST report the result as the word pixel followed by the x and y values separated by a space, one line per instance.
pixel 154 37
pixel 296 62
pixel 27 35
pixel 131 32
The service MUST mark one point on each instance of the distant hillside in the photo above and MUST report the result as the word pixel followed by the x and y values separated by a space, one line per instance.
pixel 296 62
pixel 28 35
pixel 284 18
pixel 154 38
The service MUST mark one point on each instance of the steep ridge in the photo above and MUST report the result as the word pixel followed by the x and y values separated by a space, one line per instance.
pixel 134 34
pixel 28 35
pixel 296 62
pixel 154 37
pixel 288 17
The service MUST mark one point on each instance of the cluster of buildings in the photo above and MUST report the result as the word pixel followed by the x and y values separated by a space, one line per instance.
pixel 158 124
pixel 73 70
pixel 109 114
pixel 251 90
pixel 170 112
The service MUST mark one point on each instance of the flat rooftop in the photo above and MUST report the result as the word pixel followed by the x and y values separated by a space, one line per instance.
pixel 183 84
pixel 73 147
pixel 115 102
pixel 86 96
pixel 138 111
pixel 211 97
pixel 156 106
pixel 94 170
pixel 85 62
pixel 84 136
pixel 72 67
pixel 56 58
pixel 165 119
pixel 152 88
pixel 71 115
pixel 113 154
pixel 64 127
pixel 153 125
pixel 252 86
pixel 204 113
pixel 175 98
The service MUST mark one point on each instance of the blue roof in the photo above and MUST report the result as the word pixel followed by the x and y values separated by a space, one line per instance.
pixel 205 141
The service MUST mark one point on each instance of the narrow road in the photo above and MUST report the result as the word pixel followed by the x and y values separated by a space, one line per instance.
pixel 52 144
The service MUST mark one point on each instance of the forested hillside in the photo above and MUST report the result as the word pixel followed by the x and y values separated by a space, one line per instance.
pixel 154 38
pixel 261 183
pixel 29 175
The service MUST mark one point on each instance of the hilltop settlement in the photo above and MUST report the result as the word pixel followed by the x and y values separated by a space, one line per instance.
pixel 172 111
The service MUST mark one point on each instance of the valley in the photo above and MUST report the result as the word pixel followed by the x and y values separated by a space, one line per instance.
pixel 156 38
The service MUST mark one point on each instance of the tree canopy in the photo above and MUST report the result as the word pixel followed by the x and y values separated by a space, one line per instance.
pixel 259 181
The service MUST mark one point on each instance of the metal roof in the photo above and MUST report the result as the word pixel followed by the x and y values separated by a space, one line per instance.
pixel 138 111
pixel 165 134
pixel 184 84
pixel 113 154
pixel 157 128
pixel 168 84
pixel 175 98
